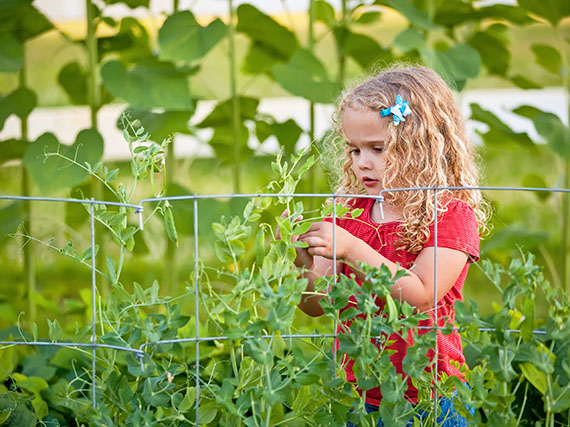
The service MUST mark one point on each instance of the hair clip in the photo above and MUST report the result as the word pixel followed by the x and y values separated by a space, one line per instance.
pixel 398 111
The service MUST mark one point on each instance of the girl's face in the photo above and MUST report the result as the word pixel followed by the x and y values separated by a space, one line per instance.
pixel 365 132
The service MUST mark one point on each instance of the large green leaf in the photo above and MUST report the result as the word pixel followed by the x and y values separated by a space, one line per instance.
pixel 181 38
pixel 148 85
pixel 260 59
pixel 133 4
pixel 534 180
pixel 410 39
pixel 223 142
pixel 324 12
pixel 556 134
pixel 306 76
pixel 11 54
pixel 22 20
pixel 551 10
pixel 223 112
pixel 547 57
pixel 51 173
pixel 132 42
pixel 21 102
pixel 287 133
pixel 523 82
pixel 11 216
pixel 264 30
pixel 451 13
pixel 417 17
pixel 460 62
pixel 363 49
pixel 12 149
pixel 494 54
pixel 513 14
pixel 499 132
pixel 161 126
pixel 73 79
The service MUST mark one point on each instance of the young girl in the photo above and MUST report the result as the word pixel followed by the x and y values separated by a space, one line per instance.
pixel 401 129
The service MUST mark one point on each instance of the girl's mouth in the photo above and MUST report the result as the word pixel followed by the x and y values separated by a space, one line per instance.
pixel 369 182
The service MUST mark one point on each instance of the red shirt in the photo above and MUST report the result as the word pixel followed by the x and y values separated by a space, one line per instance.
pixel 457 229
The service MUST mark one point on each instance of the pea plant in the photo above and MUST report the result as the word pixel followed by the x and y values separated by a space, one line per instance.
pixel 258 363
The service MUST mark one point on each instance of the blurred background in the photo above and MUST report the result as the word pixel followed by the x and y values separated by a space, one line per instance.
pixel 232 83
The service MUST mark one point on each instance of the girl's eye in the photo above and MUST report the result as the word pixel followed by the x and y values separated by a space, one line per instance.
pixel 378 149
pixel 354 151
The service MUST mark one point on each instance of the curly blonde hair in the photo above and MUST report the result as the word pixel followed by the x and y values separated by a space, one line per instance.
pixel 430 149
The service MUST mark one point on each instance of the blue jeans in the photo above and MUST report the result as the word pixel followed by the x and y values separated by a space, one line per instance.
pixel 447 416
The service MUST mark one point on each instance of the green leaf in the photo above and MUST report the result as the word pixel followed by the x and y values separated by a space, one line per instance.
pixel 131 43
pixel 181 38
pixel 514 13
pixel 547 57
pixel 11 54
pixel 133 4
pixel 148 85
pixel 22 20
pixel 523 82
pixel 410 39
pixel 499 132
pixel 162 126
pixel 223 112
pixel 556 134
pixel 53 172
pixel 324 12
pixel 256 25
pixel 12 149
pixel 536 181
pixel 407 8
pixel 305 76
pixel 363 49
pixel 534 376
pixel 11 216
pixel 207 412
pixel 527 111
pixel 494 54
pixel 287 133
pixel 368 17
pixel 551 10
pixel 460 62
pixel 73 79
pixel 54 330
pixel 21 102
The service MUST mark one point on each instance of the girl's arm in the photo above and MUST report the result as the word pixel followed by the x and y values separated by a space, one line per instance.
pixel 417 288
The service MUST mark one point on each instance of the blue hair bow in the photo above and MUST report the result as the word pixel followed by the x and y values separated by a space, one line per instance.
pixel 398 111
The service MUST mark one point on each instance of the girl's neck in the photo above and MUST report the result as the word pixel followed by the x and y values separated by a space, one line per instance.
pixel 390 213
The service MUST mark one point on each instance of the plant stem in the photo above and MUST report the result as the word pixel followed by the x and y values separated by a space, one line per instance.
pixel 170 270
pixel 93 94
pixel 312 172
pixel 565 208
pixel 29 267
pixel 340 49
pixel 235 100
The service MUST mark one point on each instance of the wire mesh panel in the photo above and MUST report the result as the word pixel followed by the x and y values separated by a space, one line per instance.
pixel 145 350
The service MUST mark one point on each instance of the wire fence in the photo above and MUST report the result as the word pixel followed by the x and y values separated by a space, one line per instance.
pixel 140 352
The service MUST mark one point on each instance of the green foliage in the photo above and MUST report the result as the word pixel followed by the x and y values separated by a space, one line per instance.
pixel 48 162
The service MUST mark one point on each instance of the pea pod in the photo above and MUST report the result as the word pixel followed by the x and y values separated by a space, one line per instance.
pixel 169 224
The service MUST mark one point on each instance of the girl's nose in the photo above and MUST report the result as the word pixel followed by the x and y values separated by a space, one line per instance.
pixel 363 161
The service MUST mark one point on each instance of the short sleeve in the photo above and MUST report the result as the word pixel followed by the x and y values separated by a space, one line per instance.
pixel 457 229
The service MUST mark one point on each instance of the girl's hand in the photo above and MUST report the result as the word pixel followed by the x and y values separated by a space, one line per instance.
pixel 303 259
pixel 320 241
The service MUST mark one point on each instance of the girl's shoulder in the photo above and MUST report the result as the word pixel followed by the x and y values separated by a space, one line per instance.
pixel 458 208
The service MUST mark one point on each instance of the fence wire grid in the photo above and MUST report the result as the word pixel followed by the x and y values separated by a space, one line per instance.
pixel 140 352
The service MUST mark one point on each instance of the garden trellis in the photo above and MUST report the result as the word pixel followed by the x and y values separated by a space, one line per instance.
pixel 141 352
